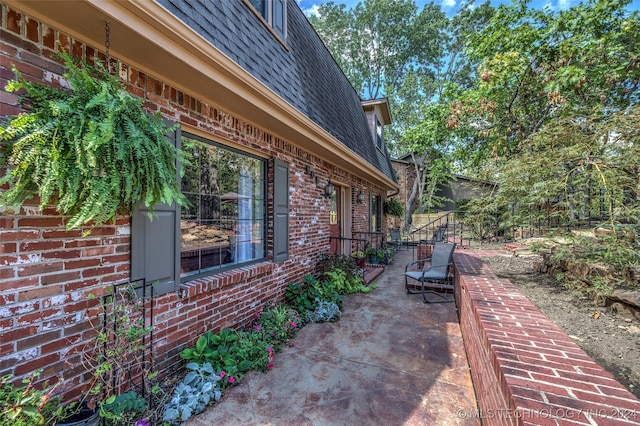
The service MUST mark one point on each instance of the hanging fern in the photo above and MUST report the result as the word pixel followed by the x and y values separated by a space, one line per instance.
pixel 92 150
pixel 392 207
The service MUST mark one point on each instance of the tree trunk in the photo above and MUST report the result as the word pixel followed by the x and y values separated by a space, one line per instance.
pixel 409 207
pixel 416 190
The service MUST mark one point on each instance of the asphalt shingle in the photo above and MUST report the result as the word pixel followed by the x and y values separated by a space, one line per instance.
pixel 306 75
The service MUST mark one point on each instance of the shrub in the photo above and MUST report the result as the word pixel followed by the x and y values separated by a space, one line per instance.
pixel 26 405
pixel 279 323
pixel 219 350
pixel 304 296
pixel 325 311
pixel 346 284
pixel 345 263
pixel 198 389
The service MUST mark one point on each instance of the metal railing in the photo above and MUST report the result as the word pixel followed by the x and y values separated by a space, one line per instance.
pixel 375 239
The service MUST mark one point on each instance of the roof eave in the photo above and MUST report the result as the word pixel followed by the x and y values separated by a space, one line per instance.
pixel 145 35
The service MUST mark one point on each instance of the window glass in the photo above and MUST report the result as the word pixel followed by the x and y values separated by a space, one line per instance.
pixel 378 134
pixel 278 17
pixel 274 13
pixel 376 213
pixel 225 222
pixel 261 7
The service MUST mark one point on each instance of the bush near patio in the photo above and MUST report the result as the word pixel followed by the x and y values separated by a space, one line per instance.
pixel 593 263
pixel 218 361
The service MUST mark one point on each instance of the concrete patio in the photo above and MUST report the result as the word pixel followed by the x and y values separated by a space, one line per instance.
pixel 390 360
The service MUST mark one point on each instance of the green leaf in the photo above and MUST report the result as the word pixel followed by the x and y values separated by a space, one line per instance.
pixel 201 344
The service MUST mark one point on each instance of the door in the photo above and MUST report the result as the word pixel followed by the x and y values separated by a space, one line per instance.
pixel 335 220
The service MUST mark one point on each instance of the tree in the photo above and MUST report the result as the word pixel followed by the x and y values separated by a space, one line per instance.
pixel 537 66
pixel 430 138
pixel 555 106
pixel 384 48
pixel 415 58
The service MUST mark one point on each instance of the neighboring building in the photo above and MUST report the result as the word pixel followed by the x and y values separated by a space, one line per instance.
pixel 258 98
pixel 459 188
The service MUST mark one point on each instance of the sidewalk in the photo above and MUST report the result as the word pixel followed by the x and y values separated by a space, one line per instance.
pixel 390 360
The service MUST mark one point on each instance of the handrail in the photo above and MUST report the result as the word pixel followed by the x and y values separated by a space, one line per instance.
pixel 438 219
pixel 375 238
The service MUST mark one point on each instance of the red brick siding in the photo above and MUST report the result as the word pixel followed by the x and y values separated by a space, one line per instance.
pixel 525 369
pixel 47 273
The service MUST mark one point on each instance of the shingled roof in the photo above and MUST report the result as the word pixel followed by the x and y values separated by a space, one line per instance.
pixel 305 75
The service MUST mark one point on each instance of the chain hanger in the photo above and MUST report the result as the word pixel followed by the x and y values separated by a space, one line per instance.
pixel 107 42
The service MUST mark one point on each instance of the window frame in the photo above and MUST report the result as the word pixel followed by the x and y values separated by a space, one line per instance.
pixel 268 20
pixel 265 216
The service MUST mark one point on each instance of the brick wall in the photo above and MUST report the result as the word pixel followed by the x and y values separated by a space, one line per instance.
pixel 526 370
pixel 47 273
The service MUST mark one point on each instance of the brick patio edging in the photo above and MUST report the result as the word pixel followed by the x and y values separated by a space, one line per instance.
pixel 525 369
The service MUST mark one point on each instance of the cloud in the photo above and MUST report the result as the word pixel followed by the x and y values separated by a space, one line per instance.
pixel 449 3
pixel 309 11
pixel 564 4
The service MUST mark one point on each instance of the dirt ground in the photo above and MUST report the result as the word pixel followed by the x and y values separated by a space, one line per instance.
pixel 613 341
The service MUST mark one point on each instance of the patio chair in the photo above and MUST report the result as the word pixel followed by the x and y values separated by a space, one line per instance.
pixel 395 239
pixel 435 275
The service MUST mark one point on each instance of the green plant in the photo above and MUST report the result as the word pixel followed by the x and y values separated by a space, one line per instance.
pixel 219 350
pixel 374 254
pixel 254 346
pixel 26 405
pixel 197 390
pixel 389 253
pixel 92 150
pixel 303 297
pixel 358 254
pixel 279 323
pixel 392 207
pixel 346 284
pixel 346 263
pixel 325 311
pixel 123 409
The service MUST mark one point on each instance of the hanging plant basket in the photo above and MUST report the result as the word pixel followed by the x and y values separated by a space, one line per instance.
pixel 90 150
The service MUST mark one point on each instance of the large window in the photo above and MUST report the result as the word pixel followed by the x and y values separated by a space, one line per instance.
pixel 274 13
pixel 225 223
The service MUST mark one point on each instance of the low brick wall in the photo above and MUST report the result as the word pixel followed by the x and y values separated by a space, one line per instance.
pixel 526 370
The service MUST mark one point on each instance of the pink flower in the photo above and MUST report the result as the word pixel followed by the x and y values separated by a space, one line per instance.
pixel 222 374
pixel 292 344
pixel 293 324
pixel 270 366
pixel 270 350
pixel 231 380
pixel 257 328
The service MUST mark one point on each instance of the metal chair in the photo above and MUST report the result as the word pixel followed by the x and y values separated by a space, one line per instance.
pixel 395 239
pixel 434 275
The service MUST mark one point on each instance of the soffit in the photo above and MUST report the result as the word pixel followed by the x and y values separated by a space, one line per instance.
pixel 145 35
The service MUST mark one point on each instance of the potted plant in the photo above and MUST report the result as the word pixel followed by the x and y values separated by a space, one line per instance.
pixel 359 256
pixel 389 253
pixel 91 151
pixel 375 255
pixel 76 414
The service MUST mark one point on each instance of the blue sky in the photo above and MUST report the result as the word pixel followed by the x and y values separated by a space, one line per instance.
pixel 450 6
